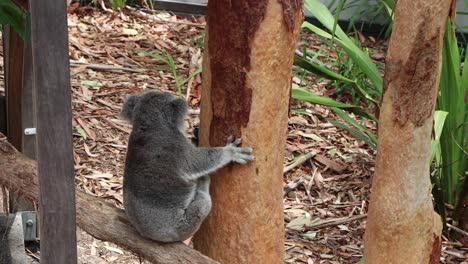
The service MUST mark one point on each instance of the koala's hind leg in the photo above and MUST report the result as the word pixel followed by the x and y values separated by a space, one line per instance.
pixel 196 211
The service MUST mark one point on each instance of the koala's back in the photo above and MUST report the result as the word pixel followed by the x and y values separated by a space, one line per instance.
pixel 154 193
pixel 153 163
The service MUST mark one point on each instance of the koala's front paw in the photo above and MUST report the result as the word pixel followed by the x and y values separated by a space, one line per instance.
pixel 238 154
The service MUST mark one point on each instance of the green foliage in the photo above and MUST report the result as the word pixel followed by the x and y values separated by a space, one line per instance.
pixel 169 61
pixel 366 11
pixel 450 158
pixel 356 74
pixel 359 75
pixel 11 14
pixel 354 128
pixel 199 41
pixel 361 58
pixel 117 4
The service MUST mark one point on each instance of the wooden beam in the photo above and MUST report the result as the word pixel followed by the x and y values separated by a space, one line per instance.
pixel 3 128
pixel 28 105
pixel 14 54
pixel 97 217
pixel 18 101
pixel 51 81
pixel 2 114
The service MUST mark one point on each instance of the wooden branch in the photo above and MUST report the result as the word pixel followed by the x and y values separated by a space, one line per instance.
pixel 456 229
pixel 105 67
pixel 299 161
pixel 97 217
pixel 334 222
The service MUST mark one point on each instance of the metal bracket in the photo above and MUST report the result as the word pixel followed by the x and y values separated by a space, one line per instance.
pixel 29 225
pixel 30 131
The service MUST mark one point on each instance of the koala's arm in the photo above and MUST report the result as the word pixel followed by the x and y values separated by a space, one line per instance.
pixel 203 161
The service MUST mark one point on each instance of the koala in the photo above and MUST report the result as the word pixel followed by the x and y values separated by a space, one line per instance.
pixel 166 182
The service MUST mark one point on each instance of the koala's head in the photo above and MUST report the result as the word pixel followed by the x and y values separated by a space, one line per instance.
pixel 154 106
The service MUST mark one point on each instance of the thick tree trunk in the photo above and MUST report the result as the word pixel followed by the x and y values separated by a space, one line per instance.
pixel 95 216
pixel 402 226
pixel 247 81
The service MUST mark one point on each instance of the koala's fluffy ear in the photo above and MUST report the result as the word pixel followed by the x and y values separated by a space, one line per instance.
pixel 129 107
pixel 179 106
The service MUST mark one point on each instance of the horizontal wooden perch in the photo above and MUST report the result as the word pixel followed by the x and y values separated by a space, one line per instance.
pixel 97 217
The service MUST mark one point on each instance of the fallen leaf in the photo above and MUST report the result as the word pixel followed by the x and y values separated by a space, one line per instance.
pixel 99 175
pixel 91 83
pixel 129 32
pixel 88 151
pixel 88 130
pixel 299 223
pixel 331 164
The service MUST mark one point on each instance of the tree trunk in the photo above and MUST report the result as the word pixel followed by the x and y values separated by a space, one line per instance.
pixel 247 83
pixel 402 226
pixel 98 218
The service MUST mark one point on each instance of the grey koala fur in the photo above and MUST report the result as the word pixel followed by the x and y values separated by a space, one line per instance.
pixel 166 182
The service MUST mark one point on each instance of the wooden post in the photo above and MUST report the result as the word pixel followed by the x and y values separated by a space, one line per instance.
pixel 51 81
pixel 247 84
pixel 402 226
pixel 19 103
pixel 14 86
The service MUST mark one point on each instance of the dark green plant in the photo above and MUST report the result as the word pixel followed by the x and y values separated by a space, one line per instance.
pixel 362 77
pixel 117 4
pixel 169 61
pixel 11 14
pixel 449 147
pixel 451 158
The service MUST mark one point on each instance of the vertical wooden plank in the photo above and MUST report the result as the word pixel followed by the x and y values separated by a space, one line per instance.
pixel 14 87
pixel 28 104
pixel 18 103
pixel 2 114
pixel 28 142
pixel 5 70
pixel 51 81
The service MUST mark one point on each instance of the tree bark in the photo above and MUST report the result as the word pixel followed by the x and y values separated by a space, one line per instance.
pixel 247 80
pixel 402 226
pixel 95 216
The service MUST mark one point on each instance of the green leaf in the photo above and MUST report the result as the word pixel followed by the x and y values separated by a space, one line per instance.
pixel 439 120
pixel 322 14
pixel 355 124
pixel 195 73
pixel 155 56
pixel 451 157
pixel 82 133
pixel 11 14
pixel 304 95
pixel 92 83
pixel 354 133
pixel 319 70
pixel 337 16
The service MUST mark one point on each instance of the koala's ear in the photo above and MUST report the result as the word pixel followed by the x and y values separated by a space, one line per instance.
pixel 179 106
pixel 129 106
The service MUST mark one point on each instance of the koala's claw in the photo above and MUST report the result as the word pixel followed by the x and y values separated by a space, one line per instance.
pixel 240 155
pixel 243 159
pixel 231 141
